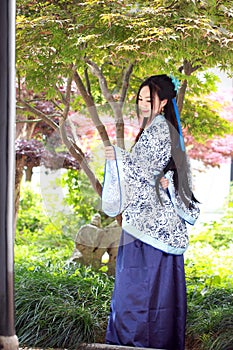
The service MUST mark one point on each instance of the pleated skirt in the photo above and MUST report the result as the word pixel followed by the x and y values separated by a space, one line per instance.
pixel 148 306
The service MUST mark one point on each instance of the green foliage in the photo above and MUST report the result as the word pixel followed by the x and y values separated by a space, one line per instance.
pixel 200 113
pixel 156 37
pixel 37 237
pixel 210 320
pixel 218 235
pixel 203 121
pixel 209 285
pixel 82 198
pixel 60 307
pixel 31 216
pixel 60 304
pixel 209 257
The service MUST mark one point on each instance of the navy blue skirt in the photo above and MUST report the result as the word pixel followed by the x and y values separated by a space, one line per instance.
pixel 148 307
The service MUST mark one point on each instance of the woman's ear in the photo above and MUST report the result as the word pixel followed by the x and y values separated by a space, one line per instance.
pixel 163 103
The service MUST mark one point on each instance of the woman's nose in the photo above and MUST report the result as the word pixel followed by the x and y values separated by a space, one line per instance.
pixel 144 104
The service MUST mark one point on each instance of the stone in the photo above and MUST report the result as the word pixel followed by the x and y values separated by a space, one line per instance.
pixel 9 342
pixel 92 241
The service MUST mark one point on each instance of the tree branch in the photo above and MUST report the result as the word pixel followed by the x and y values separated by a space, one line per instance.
pixel 125 83
pixel 96 71
pixel 180 97
pixel 116 107
pixel 91 109
pixel 67 98
pixel 61 94
pixel 171 5
pixel 40 114
pixel 87 81
pixel 75 151
pixel 78 154
pixel 28 121
pixel 188 69
pixel 57 105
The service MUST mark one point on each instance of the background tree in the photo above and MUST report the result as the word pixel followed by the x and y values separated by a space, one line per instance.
pixel 106 48
pixel 215 150
pixel 31 136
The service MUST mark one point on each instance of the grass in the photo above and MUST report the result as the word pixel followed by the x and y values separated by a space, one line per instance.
pixel 209 269
pixel 61 307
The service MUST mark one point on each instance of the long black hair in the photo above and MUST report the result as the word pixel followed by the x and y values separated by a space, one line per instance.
pixel 163 86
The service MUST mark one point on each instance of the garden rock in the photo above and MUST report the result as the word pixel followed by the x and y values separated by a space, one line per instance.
pixel 92 241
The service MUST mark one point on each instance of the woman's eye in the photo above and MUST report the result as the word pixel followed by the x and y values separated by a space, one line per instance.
pixel 148 101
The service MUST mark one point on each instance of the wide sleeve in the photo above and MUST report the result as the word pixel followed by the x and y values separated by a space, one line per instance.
pixel 130 171
pixel 189 214
pixel 114 194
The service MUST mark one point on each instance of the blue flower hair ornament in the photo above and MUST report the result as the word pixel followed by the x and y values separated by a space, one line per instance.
pixel 175 82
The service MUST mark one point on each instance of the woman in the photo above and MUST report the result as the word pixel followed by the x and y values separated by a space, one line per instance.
pixel 148 307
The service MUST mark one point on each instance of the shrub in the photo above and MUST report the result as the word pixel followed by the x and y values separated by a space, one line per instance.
pixel 82 198
pixel 210 320
pixel 209 285
pixel 60 307
pixel 31 216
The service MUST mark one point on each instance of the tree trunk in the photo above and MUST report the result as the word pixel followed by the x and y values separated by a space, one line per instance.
pixel 188 68
pixel 29 172
pixel 23 131
pixel 180 97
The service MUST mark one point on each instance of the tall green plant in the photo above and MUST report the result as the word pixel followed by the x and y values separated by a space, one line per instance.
pixel 31 216
pixel 60 307
pixel 82 198
pixel 38 237
pixel 209 285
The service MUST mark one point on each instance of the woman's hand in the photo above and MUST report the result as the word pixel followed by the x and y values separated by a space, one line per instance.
pixel 110 153
pixel 164 183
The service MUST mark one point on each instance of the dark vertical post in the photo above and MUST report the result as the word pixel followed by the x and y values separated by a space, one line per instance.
pixel 231 176
pixel 8 339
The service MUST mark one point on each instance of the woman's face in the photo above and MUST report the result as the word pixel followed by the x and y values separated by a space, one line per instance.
pixel 144 103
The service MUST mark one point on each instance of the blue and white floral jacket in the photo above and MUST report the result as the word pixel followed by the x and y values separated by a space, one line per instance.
pixel 129 187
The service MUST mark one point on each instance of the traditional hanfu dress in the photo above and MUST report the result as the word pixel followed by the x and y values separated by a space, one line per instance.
pixel 148 307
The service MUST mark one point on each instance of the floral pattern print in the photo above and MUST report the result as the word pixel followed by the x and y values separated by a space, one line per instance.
pixel 143 215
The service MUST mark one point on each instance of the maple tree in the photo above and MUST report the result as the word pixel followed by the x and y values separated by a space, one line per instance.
pixel 93 54
pixel 215 150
